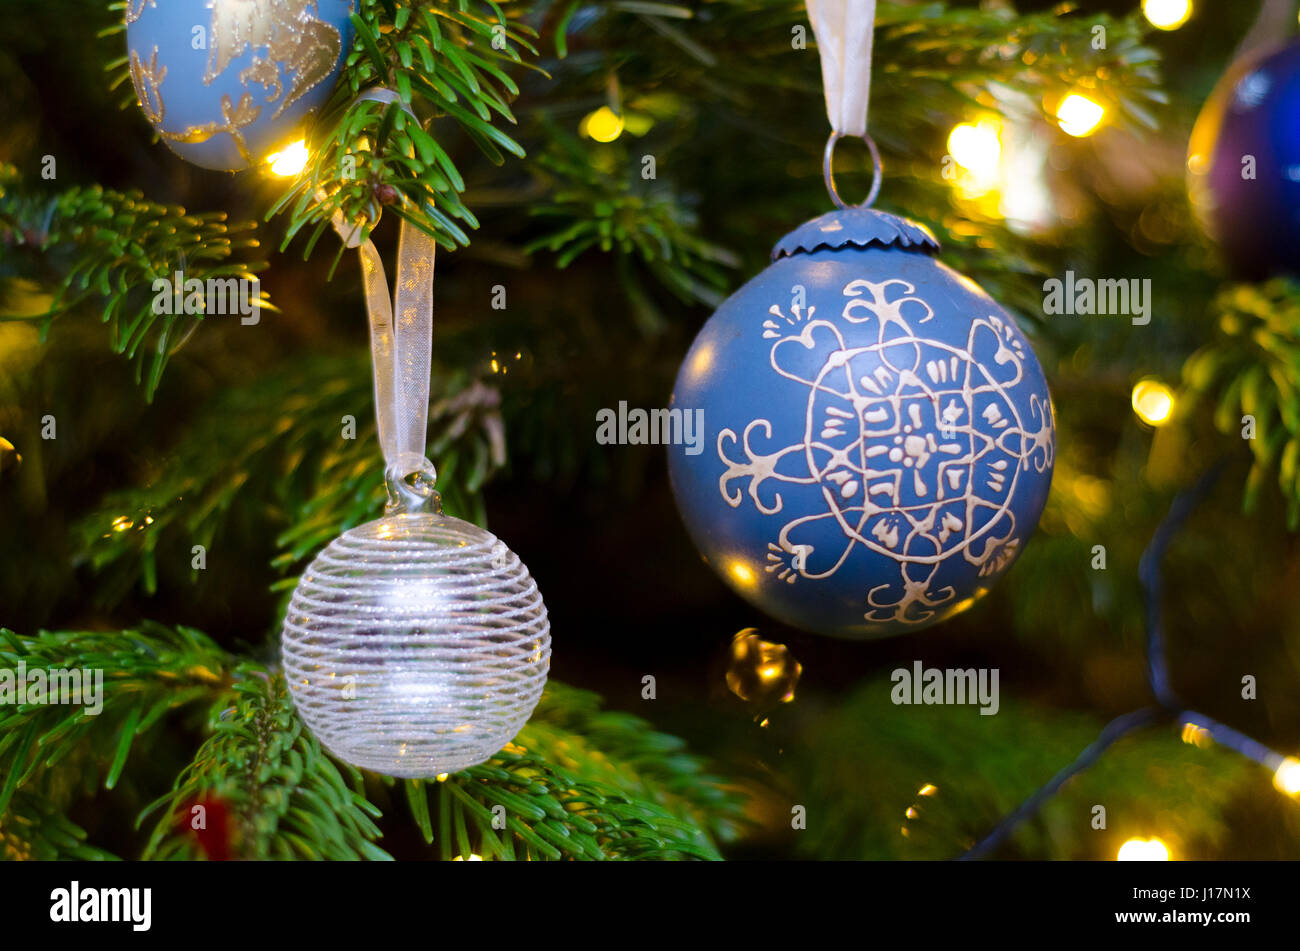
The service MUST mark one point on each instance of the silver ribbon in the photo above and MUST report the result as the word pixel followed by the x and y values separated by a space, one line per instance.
pixel 401 333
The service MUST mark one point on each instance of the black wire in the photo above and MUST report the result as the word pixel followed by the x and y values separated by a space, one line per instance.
pixel 1168 706
pixel 1116 728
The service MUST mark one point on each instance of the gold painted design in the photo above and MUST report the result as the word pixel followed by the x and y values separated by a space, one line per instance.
pixel 136 7
pixel 147 78
pixel 294 38
pixel 234 118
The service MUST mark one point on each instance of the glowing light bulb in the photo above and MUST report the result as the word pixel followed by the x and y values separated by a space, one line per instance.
pixel 1153 402
pixel 1078 115
pixel 1167 14
pixel 290 160
pixel 976 147
pixel 1143 850
pixel 1287 777
pixel 603 125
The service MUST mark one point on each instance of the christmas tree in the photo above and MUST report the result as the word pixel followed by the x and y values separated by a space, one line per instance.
pixel 599 177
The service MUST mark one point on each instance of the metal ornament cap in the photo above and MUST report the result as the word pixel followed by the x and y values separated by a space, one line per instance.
pixel 856 227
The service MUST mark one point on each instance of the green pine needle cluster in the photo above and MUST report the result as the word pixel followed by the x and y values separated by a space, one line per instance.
pixel 1248 373
pixel 577 782
pixel 108 247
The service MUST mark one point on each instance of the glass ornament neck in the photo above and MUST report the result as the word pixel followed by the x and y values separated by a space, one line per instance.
pixel 410 480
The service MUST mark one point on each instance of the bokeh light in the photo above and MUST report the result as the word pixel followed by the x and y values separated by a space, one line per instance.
pixel 290 160
pixel 977 147
pixel 603 125
pixel 1153 402
pixel 1143 850
pixel 1078 115
pixel 1287 777
pixel 1167 14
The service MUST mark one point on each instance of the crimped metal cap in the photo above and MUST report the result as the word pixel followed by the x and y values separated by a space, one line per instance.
pixel 856 227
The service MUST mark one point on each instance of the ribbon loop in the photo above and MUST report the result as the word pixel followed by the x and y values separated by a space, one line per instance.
pixel 401 331
pixel 844 30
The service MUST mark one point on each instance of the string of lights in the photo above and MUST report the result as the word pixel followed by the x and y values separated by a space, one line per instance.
pixel 1168 708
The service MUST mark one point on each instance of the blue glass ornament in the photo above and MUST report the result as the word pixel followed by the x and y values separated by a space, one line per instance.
pixel 879 436
pixel 1244 164
pixel 227 82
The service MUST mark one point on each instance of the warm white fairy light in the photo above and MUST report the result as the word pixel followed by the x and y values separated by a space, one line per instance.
pixel 977 147
pixel 1287 776
pixel 1078 115
pixel 1167 14
pixel 1143 850
pixel 1153 402
pixel 603 125
pixel 289 161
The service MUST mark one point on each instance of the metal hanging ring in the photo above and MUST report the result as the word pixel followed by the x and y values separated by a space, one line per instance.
pixel 828 170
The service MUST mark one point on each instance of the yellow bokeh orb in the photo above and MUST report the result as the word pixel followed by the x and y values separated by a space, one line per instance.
pixel 290 160
pixel 1143 850
pixel 603 125
pixel 1153 402
pixel 976 146
pixel 1167 14
pixel 1078 115
pixel 1287 777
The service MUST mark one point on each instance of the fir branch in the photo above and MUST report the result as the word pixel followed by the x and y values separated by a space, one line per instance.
pixel 548 812
pixel 622 750
pixel 105 249
pixel 941 47
pixel 940 54
pixel 976 770
pixel 289 801
pixel 620 792
pixel 276 451
pixel 34 829
pixel 442 59
pixel 286 797
pixel 1251 369
pixel 584 783
pixel 147 674
pixel 592 206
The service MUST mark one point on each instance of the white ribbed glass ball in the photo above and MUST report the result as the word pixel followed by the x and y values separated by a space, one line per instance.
pixel 415 645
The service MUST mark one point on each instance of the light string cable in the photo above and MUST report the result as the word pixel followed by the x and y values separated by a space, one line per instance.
pixel 1168 706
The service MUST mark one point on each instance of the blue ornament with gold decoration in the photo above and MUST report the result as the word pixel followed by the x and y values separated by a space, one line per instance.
pixel 878 435
pixel 225 83
pixel 1243 164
